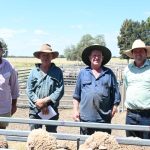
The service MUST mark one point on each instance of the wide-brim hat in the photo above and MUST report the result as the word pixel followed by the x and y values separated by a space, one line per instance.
pixel 137 44
pixel 87 51
pixel 46 48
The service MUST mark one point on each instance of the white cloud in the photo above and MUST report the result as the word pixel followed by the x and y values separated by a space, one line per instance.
pixel 79 26
pixel 40 32
pixel 6 33
pixel 147 13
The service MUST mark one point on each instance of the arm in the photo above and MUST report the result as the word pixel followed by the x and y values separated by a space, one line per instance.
pixel 14 106
pixel 14 90
pixel 115 94
pixel 76 114
pixel 31 85
pixel 76 99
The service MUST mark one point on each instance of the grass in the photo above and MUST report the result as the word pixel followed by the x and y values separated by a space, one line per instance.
pixel 29 62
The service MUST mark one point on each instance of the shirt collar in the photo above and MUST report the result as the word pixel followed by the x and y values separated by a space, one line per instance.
pixel 146 63
pixel 103 69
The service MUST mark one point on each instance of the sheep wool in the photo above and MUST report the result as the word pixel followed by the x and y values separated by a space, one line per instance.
pixel 100 141
pixel 40 139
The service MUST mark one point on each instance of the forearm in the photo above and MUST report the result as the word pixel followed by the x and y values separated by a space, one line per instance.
pixel 75 105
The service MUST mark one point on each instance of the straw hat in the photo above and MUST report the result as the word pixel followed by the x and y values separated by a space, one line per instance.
pixel 46 48
pixel 137 44
pixel 87 51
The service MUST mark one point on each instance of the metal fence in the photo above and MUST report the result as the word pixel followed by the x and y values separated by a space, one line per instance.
pixel 70 73
pixel 17 135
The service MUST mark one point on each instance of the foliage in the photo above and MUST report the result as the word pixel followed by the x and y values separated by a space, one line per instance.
pixel 132 30
pixel 74 52
pixel 4 46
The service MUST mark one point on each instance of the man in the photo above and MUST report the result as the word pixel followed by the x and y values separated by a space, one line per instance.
pixel 137 83
pixel 96 94
pixel 9 89
pixel 45 88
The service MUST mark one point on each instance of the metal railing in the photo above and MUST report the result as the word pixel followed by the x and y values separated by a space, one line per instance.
pixel 18 135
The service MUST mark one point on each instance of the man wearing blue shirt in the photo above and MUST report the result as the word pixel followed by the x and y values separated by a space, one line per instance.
pixel 96 94
pixel 137 83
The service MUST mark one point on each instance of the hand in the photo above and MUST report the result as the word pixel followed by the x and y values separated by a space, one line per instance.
pixel 114 110
pixel 40 103
pixel 76 116
pixel 13 109
pixel 45 110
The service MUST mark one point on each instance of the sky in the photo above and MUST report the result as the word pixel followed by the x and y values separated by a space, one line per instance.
pixel 27 24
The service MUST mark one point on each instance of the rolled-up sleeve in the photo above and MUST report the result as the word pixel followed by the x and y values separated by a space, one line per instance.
pixel 77 91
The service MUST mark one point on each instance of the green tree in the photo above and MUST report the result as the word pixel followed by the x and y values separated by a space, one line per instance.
pixel 75 51
pixel 4 45
pixel 132 30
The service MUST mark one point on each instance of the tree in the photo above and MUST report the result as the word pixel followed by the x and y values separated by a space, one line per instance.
pixel 4 45
pixel 130 31
pixel 75 51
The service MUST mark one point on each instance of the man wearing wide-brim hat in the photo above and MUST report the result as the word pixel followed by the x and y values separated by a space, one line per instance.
pixel 96 94
pixel 45 88
pixel 137 83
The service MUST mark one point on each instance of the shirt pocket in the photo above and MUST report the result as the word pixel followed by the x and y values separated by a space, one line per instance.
pixel 86 84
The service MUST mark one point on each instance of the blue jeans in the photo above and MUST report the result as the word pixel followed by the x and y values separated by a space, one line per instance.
pixel 138 118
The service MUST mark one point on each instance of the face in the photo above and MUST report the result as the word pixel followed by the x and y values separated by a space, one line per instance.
pixel 46 58
pixel 96 58
pixel 139 56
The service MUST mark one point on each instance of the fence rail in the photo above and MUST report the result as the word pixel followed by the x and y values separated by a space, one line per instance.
pixel 17 135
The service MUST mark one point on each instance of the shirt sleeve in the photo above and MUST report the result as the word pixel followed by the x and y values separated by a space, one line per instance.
pixel 14 86
pixel 115 91
pixel 59 92
pixel 77 91
pixel 125 78
pixel 31 83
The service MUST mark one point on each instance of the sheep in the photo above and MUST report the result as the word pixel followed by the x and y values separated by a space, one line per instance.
pixel 40 139
pixel 100 141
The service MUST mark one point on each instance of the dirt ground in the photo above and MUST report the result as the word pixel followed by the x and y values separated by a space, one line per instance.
pixel 66 114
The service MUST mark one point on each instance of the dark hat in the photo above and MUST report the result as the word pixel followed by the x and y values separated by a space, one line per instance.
pixel 46 48
pixel 87 51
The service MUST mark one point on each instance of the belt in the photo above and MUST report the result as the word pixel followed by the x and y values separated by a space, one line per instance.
pixel 139 110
